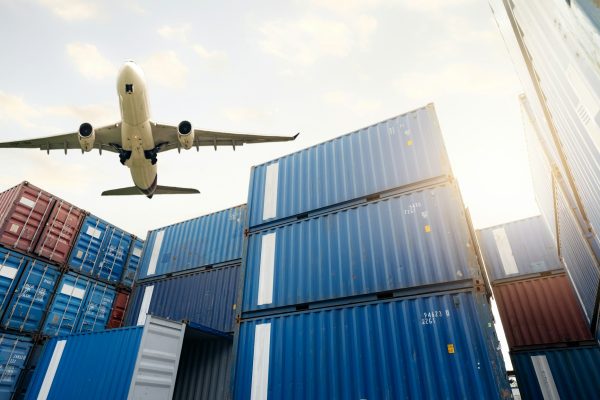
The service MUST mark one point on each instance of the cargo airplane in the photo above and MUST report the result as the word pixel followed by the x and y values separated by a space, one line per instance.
pixel 138 140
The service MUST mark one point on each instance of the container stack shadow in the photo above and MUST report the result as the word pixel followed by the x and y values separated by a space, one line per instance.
pixel 61 269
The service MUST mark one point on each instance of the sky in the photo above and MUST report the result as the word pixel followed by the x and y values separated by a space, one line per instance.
pixel 319 67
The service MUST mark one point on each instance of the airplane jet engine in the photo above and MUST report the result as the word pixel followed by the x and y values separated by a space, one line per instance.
pixel 185 134
pixel 87 136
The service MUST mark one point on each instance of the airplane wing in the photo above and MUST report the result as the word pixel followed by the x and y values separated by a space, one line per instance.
pixel 107 138
pixel 165 137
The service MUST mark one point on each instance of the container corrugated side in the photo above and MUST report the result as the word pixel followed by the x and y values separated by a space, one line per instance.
pixel 31 298
pixel 80 304
pixel 88 366
pixel 208 240
pixel 12 265
pixel 117 315
pixel 415 239
pixel 206 297
pixel 541 312
pixel 26 209
pixel 204 369
pixel 100 250
pixel 540 165
pixel 435 346
pixel 518 248
pixel 394 153
pixel 570 82
pixel 60 232
pixel 133 262
pixel 14 351
pixel 572 373
pixel 577 256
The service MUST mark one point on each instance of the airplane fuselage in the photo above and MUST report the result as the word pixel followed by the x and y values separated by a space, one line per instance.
pixel 136 130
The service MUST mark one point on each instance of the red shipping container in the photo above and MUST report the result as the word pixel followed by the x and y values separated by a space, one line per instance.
pixel 60 232
pixel 540 312
pixel 24 210
pixel 118 312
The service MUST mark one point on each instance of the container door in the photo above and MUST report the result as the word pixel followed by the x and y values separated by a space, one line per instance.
pixel 11 266
pixel 112 258
pixel 98 305
pixel 67 306
pixel 31 299
pixel 84 256
pixel 14 351
pixel 60 232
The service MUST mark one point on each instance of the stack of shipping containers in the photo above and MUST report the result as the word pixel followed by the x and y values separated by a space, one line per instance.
pixel 555 48
pixel 360 276
pixel 60 271
pixel 539 309
pixel 189 272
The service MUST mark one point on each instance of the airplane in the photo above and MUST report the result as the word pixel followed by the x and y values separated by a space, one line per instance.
pixel 138 140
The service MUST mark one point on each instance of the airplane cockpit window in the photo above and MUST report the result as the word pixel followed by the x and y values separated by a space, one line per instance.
pixel 129 88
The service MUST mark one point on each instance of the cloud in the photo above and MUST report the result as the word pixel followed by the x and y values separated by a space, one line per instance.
pixel 432 5
pixel 90 63
pixel 179 32
pixel 451 79
pixel 214 58
pixel 305 40
pixel 16 109
pixel 72 10
pixel 166 69
pixel 243 114
pixel 352 103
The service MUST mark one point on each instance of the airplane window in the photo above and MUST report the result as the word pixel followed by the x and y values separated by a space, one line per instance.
pixel 129 88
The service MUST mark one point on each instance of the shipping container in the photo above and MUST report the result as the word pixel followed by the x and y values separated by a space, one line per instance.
pixel 133 262
pixel 578 258
pixel 556 48
pixel 11 266
pixel 204 297
pixel 80 304
pixel 436 346
pixel 518 248
pixel 60 232
pixel 101 250
pixel 391 154
pixel 14 351
pixel 415 239
pixel 208 240
pixel 136 363
pixel 204 368
pixel 98 307
pixel 117 315
pixel 31 298
pixel 24 210
pixel 572 373
pixel 540 165
pixel 541 312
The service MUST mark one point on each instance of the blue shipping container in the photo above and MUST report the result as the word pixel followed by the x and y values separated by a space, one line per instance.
pixel 572 373
pixel 14 351
pixel 11 265
pixel 578 258
pixel 208 240
pixel 98 306
pixel 31 298
pixel 100 250
pixel 397 152
pixel 133 262
pixel 414 239
pixel 518 248
pixel 439 346
pixel 80 304
pixel 134 363
pixel 206 297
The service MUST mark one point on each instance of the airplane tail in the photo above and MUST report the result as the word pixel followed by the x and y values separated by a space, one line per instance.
pixel 133 191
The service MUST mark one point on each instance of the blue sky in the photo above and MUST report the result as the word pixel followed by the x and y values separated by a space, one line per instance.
pixel 320 67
